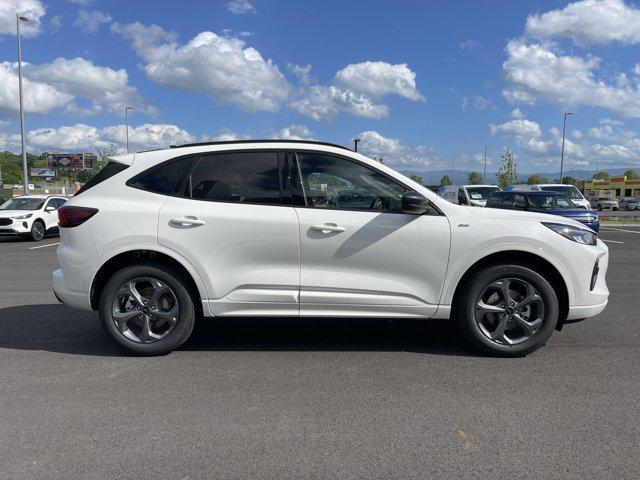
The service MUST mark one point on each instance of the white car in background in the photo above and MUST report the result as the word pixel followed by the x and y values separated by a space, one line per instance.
pixel 30 216
pixel 472 195
pixel 569 190
pixel 159 238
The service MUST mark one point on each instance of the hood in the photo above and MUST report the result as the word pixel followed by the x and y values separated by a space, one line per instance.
pixel 14 213
pixel 569 212
pixel 504 214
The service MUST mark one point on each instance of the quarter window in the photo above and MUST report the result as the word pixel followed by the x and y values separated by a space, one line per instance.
pixel 335 183
pixel 242 177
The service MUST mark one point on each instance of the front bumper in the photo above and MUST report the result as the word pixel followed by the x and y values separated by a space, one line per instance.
pixel 67 296
pixel 17 227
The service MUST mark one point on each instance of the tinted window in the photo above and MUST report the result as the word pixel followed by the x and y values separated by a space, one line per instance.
pixel 166 178
pixel 243 177
pixel 519 201
pixel 332 182
pixel 56 203
pixel 108 171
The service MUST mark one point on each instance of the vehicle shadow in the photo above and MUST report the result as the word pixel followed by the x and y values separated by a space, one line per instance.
pixel 58 328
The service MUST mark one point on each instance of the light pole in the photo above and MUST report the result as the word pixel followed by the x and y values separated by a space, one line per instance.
pixel 484 173
pixel 355 144
pixel 564 129
pixel 453 167
pixel 126 124
pixel 24 150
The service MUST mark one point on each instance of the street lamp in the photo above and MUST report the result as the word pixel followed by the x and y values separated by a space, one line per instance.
pixel 484 174
pixel 355 144
pixel 564 129
pixel 25 178
pixel 453 167
pixel 126 124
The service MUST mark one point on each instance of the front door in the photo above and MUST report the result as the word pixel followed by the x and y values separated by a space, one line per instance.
pixel 360 255
pixel 234 222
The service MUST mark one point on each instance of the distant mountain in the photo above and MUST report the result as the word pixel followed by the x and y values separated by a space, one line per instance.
pixel 432 177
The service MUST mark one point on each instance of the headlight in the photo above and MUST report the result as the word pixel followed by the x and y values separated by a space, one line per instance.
pixel 25 216
pixel 580 235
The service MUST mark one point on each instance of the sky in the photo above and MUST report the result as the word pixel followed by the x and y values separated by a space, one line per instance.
pixel 419 82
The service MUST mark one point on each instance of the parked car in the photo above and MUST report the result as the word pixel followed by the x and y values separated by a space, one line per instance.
pixel 628 203
pixel 352 198
pixel 570 190
pixel 604 203
pixel 553 203
pixel 472 195
pixel 159 238
pixel 30 216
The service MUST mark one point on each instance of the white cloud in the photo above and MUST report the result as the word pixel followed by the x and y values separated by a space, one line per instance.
pixel 517 113
pixel 394 152
pixel 55 85
pixel 90 21
pixel 34 10
pixel 240 7
pixel 540 72
pixel 218 66
pixel 470 45
pixel 293 132
pixel 233 74
pixel 80 2
pixel 377 79
pixel 55 23
pixel 85 137
pixel 589 22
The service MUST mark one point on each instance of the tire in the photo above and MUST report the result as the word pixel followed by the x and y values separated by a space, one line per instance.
pixel 173 331
pixel 37 231
pixel 481 285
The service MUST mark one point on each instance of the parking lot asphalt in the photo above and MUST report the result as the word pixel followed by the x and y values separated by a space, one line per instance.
pixel 265 398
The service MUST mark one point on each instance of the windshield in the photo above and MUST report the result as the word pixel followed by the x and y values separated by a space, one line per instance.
pixel 23 204
pixel 480 193
pixel 631 200
pixel 550 201
pixel 568 190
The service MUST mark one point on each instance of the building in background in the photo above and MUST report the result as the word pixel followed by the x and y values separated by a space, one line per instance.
pixel 615 187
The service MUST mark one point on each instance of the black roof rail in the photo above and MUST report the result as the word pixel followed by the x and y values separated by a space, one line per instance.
pixel 236 142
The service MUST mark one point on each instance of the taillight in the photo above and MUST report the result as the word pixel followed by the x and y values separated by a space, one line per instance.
pixel 69 216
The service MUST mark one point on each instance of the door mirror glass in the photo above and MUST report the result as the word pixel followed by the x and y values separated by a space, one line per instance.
pixel 414 203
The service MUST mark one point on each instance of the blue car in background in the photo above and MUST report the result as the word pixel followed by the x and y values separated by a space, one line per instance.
pixel 544 202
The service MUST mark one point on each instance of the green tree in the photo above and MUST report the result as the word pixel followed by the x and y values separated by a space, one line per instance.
pixel 507 174
pixel 536 179
pixel 631 174
pixel 444 181
pixel 569 180
pixel 601 176
pixel 474 178
pixel 417 179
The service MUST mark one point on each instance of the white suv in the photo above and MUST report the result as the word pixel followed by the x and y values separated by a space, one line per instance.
pixel 30 216
pixel 160 238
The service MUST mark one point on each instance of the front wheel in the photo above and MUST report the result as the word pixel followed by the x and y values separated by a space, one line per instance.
pixel 147 309
pixel 507 310
pixel 37 231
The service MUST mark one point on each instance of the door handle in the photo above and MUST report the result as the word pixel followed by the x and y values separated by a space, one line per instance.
pixel 187 221
pixel 328 228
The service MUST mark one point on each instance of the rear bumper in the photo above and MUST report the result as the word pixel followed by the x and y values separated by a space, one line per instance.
pixel 69 297
pixel 586 311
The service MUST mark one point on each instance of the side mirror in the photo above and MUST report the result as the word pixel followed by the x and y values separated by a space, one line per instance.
pixel 50 209
pixel 414 203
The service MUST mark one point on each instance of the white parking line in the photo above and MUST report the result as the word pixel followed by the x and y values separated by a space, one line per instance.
pixel 609 229
pixel 611 241
pixel 43 246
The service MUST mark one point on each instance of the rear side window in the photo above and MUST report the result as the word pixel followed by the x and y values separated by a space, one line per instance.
pixel 239 177
pixel 108 171
pixel 167 178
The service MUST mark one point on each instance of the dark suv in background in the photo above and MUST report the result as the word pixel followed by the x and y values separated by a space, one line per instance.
pixel 544 202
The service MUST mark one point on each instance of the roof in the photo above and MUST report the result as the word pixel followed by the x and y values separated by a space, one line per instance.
pixel 236 142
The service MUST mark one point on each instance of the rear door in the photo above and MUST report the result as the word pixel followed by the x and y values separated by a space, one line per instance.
pixel 365 260
pixel 232 218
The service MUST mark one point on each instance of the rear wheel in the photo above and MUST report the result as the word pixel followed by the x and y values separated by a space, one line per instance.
pixel 507 310
pixel 37 231
pixel 147 309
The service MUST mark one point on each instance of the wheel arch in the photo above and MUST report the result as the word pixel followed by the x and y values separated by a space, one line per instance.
pixel 545 266
pixel 141 255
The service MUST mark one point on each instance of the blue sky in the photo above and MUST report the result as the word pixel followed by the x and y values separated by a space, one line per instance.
pixel 419 81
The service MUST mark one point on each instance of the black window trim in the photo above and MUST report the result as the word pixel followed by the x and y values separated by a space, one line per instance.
pixel 298 177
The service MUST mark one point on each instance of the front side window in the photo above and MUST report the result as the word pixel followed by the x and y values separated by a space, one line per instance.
pixel 240 177
pixel 336 183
